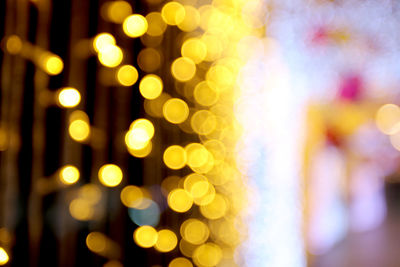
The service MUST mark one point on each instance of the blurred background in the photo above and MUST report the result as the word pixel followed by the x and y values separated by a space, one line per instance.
pixel 199 133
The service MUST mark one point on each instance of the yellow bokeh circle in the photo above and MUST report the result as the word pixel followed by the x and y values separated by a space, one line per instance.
pixel 175 157
pixel 110 175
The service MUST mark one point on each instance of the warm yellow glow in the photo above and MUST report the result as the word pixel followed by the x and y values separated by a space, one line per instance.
pixel 197 155
pixel 69 97
pixel 5 236
pixel 3 139
pixel 149 59
pixel 69 174
pixel 217 149
pixel 195 49
pixel 145 236
pixel 395 140
pixel 170 183
pixel 175 157
pixel 157 25
pixel 117 11
pixel 81 209
pixel 154 107
pixel 110 175
pixel 183 69
pixel 96 242
pixel 194 231
pixel 151 86
pixel 180 262
pixel 175 110
pixel 388 119
pixel 173 13
pixel 179 200
pixel 203 199
pixel 4 258
pixel 216 209
pixel 135 25
pixel 78 115
pixel 113 263
pixel 79 130
pixel 207 255
pixel 110 56
pixel 205 94
pixel 203 122
pixel 187 248
pixel 166 241
pixel 141 153
pixel 127 75
pixel 139 135
pixel 197 185
pixel 102 40
pixel 14 45
pixel 51 64
pixel 134 197
pixel 214 47
pixel 221 77
pixel 90 193
pixel 191 20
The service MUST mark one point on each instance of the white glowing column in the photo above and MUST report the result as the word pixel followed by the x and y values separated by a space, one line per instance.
pixel 268 155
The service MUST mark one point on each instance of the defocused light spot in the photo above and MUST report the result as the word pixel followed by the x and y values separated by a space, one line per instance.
pixel 194 231
pixel 90 193
pixel 203 122
pixel 194 49
pixel 207 255
pixel 156 23
pixel 196 184
pixel 102 40
pixel 81 209
pixel 203 199
pixel 4 258
pixel 180 262
pixel 217 149
pixel 395 140
pixel 139 135
pixel 170 183
pixel 179 200
pixel 96 242
pixel 173 13
pixel 110 56
pixel 155 107
pixel 197 155
pixel 149 215
pixel 110 175
pixel 175 110
pixel 216 209
pixel 166 241
pixel 79 130
pixel 183 69
pixel 388 119
pixel 69 97
pixel 214 47
pixel 116 11
pixel 145 236
pixel 149 59
pixel 135 25
pixel 187 248
pixel 113 263
pixel 14 45
pixel 51 64
pixel 127 75
pixel 69 174
pixel 151 86
pixel 204 94
pixel 191 20
pixel 143 152
pixel 220 76
pixel 5 236
pixel 132 196
pixel 175 157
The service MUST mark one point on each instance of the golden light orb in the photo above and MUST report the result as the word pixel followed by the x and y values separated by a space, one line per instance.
pixel 173 13
pixel 157 25
pixel 4 258
pixel 96 242
pixel 14 45
pixel 216 209
pixel 69 97
pixel 388 119
pixel 110 56
pixel 110 175
pixel 69 174
pixel 175 157
pixel 135 25
pixel 117 11
pixel 191 20
pixel 143 152
pixel 194 231
pixel 205 94
pixel 180 200
pixel 102 40
pixel 183 69
pixel 180 262
pixel 79 130
pixel 81 209
pixel 207 255
pixel 175 110
pixel 151 86
pixel 195 49
pixel 51 64
pixel 166 241
pixel 145 236
pixel 127 75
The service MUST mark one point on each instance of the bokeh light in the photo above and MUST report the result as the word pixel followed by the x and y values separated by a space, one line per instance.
pixel 69 97
pixel 151 86
pixel 180 262
pixel 175 110
pixel 127 75
pixel 110 175
pixel 166 241
pixel 173 13
pixel 135 25
pixel 110 55
pixel 145 236
pixel 183 69
pixel 4 258
pixel 179 200
pixel 69 174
